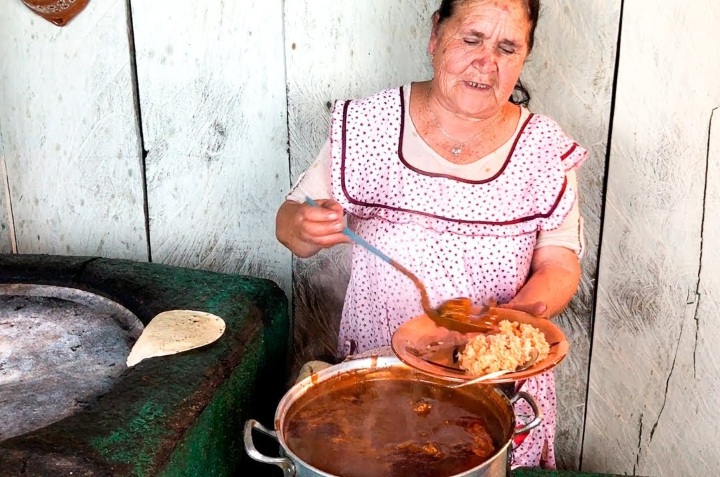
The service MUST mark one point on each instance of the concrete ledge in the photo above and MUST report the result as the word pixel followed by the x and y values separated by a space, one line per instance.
pixel 174 415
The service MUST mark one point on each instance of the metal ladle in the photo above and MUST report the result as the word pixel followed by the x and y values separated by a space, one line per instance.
pixel 452 314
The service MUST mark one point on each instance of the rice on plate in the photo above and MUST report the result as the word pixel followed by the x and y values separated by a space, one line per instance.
pixel 505 350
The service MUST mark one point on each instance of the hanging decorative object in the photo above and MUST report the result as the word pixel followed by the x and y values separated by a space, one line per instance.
pixel 59 12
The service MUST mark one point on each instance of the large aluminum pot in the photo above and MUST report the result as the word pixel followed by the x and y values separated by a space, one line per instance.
pixel 488 396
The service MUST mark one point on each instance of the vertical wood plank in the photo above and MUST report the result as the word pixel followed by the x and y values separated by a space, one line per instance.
pixel 7 232
pixel 654 374
pixel 570 77
pixel 339 50
pixel 703 333
pixel 212 92
pixel 69 132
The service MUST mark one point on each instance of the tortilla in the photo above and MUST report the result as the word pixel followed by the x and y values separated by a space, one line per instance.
pixel 175 331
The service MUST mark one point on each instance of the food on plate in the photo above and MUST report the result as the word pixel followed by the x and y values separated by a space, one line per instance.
pixel 506 350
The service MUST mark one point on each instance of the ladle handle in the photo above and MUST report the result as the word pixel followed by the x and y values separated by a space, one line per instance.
pixel 363 243
pixel 285 464
pixel 356 238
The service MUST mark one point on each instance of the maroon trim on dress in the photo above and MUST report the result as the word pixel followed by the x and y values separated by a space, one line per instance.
pixel 401 137
pixel 344 146
pixel 427 214
pixel 512 149
pixel 447 176
pixel 570 151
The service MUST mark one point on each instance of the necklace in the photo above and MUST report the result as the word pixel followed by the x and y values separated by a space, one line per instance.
pixel 457 149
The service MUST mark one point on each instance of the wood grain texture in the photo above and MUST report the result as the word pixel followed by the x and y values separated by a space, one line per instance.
pixel 339 50
pixel 654 376
pixel 570 77
pixel 69 134
pixel 7 227
pixel 350 49
pixel 212 95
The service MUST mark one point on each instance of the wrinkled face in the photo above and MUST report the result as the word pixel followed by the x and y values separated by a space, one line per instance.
pixel 479 53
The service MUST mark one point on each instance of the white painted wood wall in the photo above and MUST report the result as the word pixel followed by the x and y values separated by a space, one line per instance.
pixel 203 145
pixel 655 372
pixel 177 143
pixel 69 137
pixel 570 74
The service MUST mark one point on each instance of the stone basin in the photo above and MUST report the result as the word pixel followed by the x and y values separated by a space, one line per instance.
pixel 60 349
pixel 83 413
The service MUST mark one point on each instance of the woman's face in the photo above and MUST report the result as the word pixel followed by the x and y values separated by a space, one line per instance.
pixel 479 53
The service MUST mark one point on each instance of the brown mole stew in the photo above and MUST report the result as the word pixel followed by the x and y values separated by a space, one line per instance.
pixel 372 424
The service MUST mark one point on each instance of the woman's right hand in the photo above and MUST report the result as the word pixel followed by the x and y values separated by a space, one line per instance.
pixel 305 229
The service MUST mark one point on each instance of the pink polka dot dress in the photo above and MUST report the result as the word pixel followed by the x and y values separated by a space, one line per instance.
pixel 460 237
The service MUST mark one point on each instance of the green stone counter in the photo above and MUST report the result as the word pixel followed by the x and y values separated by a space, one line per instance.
pixel 179 415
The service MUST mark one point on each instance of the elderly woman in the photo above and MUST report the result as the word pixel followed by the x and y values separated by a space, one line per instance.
pixel 456 181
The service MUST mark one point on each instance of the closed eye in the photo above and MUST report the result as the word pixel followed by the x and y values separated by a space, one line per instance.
pixel 508 48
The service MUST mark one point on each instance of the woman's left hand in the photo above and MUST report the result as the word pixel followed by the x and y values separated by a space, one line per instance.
pixel 554 278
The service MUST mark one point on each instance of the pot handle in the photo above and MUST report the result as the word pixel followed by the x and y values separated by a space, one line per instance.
pixel 538 412
pixel 285 464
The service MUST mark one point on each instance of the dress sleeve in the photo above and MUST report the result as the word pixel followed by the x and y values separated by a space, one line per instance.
pixel 570 232
pixel 573 155
pixel 315 181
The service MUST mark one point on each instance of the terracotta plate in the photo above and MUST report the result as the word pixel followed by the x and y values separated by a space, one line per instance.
pixel 421 332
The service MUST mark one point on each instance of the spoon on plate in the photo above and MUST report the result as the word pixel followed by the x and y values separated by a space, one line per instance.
pixel 526 365
pixel 452 314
